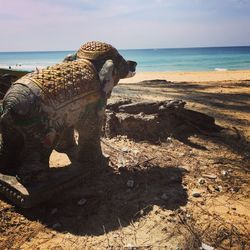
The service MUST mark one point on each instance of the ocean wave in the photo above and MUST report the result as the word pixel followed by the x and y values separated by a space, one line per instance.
pixel 220 69
pixel 22 66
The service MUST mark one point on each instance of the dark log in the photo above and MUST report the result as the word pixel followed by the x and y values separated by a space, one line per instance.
pixel 157 120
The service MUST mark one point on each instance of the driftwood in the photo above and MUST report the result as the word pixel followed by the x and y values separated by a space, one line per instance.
pixel 155 120
pixel 8 76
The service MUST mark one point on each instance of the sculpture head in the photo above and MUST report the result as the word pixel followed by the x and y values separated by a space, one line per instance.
pixel 111 66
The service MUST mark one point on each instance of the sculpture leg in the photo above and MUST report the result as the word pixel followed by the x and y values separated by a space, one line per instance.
pixel 11 146
pixel 23 153
pixel 35 158
pixel 23 129
pixel 89 144
pixel 67 141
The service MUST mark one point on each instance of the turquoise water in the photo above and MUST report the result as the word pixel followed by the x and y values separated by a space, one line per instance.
pixel 182 59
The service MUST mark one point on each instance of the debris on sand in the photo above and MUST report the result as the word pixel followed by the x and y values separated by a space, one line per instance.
pixel 165 196
pixel 54 211
pixel 206 247
pixel 130 183
pixel 81 202
pixel 209 176
pixel 196 194
pixel 56 225
pixel 201 181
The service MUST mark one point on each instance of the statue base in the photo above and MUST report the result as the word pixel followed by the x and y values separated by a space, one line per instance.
pixel 29 195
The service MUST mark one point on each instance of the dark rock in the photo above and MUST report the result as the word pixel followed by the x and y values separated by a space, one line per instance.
pixel 155 120
pixel 138 107
pixel 196 194
pixel 114 106
pixel 155 82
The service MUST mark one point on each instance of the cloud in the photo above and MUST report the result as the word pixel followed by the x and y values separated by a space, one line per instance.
pixel 64 24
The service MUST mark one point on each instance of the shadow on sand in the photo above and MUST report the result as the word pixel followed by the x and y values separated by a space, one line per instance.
pixel 222 106
pixel 109 202
pixel 197 93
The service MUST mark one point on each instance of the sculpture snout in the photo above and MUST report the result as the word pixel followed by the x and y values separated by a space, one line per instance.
pixel 132 68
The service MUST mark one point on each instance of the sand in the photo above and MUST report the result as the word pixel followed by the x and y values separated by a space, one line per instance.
pixel 191 76
pixel 160 211
pixel 222 94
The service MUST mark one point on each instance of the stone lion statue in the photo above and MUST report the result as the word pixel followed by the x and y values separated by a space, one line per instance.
pixel 42 109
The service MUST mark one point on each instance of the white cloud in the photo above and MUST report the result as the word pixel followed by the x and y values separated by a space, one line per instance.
pixel 64 24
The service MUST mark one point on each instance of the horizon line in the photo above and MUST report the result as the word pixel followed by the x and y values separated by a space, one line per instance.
pixel 157 48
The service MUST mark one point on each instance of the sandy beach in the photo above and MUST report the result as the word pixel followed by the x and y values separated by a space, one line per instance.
pixel 222 94
pixel 175 138
pixel 203 76
pixel 166 209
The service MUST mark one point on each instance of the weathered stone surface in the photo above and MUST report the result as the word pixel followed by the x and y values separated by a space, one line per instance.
pixel 138 107
pixel 155 120
pixel 114 106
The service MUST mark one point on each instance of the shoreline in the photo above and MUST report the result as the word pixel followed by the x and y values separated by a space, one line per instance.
pixel 178 76
pixel 194 76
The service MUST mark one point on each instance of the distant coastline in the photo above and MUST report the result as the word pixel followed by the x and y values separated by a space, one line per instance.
pixel 122 49
pixel 149 60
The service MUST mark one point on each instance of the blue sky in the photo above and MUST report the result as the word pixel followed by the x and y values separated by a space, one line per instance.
pixel 65 24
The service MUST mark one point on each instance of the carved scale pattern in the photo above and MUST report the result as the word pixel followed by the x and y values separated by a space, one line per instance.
pixel 96 51
pixel 65 81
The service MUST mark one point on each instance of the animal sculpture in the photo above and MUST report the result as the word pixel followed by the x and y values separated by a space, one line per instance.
pixel 41 110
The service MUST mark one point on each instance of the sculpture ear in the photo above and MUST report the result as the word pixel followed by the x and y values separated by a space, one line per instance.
pixel 106 76
pixel 70 57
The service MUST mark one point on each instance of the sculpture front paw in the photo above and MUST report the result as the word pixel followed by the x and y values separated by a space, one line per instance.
pixel 33 178
pixel 33 173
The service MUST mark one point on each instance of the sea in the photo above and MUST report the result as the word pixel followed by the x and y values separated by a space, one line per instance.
pixel 149 60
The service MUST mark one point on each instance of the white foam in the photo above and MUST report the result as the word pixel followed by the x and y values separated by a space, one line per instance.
pixel 22 67
pixel 220 69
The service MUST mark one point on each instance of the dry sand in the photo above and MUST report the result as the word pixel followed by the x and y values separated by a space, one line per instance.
pixel 160 211
pixel 203 76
